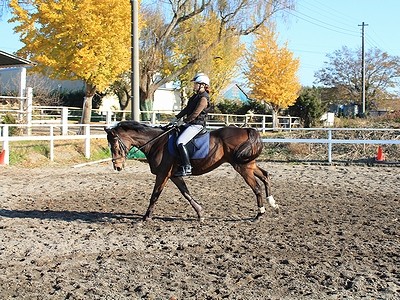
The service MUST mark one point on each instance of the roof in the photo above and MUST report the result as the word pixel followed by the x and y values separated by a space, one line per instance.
pixel 9 60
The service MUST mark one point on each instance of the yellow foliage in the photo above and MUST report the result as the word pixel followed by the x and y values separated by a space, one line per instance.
pixel 199 36
pixel 272 74
pixel 70 39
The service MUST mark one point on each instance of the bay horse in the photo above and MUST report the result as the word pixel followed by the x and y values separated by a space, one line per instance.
pixel 236 146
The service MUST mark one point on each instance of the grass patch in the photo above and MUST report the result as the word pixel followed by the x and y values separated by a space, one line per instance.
pixel 37 153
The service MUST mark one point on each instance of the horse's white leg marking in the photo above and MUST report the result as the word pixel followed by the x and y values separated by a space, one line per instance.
pixel 272 202
pixel 262 210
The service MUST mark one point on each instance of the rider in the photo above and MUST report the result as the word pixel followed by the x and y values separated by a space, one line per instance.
pixel 195 114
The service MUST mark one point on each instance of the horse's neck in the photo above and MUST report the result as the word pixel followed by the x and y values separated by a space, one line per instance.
pixel 150 138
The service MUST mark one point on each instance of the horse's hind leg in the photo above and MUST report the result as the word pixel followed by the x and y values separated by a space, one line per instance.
pixel 181 185
pixel 247 172
pixel 264 177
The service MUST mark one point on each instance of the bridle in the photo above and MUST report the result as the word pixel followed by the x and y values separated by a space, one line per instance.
pixel 122 146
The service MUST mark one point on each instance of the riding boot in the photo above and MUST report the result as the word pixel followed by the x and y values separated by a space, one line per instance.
pixel 185 168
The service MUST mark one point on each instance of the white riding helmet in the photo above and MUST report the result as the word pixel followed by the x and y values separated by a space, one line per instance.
pixel 201 78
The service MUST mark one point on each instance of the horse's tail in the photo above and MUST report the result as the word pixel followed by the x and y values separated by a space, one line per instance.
pixel 250 149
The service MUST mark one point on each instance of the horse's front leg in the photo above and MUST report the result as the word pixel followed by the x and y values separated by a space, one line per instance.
pixel 159 185
pixel 181 185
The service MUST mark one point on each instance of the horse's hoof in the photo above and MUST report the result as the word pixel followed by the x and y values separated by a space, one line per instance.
pixel 147 219
pixel 258 217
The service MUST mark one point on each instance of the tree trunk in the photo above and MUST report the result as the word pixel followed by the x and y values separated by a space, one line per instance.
pixel 86 110
pixel 87 106
pixel 275 121
pixel 87 103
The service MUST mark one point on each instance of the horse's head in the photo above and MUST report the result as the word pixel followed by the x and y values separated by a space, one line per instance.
pixel 119 146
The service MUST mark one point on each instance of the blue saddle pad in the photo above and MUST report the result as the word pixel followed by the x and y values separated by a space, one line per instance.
pixel 199 148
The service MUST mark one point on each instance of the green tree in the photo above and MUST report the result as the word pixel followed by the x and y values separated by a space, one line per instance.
pixel 272 72
pixel 308 107
pixel 342 73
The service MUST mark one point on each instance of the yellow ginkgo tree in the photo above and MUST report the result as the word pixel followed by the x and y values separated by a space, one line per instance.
pixel 218 61
pixel 69 39
pixel 272 73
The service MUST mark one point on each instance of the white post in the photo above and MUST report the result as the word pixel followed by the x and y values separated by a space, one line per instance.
pixel 263 124
pixel 21 92
pixel 64 120
pixel 274 120
pixel 6 146
pixel 108 117
pixel 87 141
pixel 329 145
pixel 29 101
pixel 51 142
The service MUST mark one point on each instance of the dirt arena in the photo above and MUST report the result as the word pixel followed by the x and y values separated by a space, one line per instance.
pixel 76 233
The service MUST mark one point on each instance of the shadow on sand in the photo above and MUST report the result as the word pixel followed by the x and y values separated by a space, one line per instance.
pixel 68 216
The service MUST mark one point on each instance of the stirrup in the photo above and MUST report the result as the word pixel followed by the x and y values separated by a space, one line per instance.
pixel 183 171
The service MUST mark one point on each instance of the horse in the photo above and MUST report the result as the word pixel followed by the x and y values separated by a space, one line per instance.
pixel 237 146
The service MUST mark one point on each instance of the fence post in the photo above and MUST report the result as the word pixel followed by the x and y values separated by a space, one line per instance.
pixel 51 142
pixel 329 145
pixel 6 145
pixel 109 117
pixel 29 101
pixel 64 120
pixel 263 124
pixel 87 141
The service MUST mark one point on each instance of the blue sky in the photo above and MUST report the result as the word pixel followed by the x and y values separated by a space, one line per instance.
pixel 319 27
pixel 315 29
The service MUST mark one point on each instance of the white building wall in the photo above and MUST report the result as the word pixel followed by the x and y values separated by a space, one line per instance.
pixel 10 81
pixel 168 100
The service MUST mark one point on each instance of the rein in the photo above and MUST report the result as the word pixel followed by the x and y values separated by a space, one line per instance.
pixel 126 150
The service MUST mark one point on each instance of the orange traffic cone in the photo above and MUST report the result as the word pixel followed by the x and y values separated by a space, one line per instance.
pixel 379 154
pixel 2 156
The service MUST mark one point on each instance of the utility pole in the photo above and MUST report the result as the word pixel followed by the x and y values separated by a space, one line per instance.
pixel 363 68
pixel 135 99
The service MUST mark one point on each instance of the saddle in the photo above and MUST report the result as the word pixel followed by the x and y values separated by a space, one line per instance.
pixel 198 147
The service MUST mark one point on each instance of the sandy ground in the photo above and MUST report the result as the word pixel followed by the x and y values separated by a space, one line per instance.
pixel 76 233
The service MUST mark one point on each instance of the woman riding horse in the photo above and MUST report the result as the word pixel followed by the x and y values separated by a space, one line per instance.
pixel 195 121
pixel 237 146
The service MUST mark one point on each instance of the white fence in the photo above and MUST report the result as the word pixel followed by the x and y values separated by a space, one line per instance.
pixel 56 132
pixel 89 132
pixel 65 115
pixel 329 141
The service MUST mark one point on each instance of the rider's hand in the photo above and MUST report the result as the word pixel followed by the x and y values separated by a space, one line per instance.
pixel 174 122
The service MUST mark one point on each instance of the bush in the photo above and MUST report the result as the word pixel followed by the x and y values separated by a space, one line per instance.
pixel 10 119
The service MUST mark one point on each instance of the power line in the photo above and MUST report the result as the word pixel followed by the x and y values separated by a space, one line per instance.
pixel 329 14
pixel 315 21
pixel 333 12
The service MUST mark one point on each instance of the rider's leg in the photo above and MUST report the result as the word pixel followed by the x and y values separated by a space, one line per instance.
pixel 185 168
pixel 185 137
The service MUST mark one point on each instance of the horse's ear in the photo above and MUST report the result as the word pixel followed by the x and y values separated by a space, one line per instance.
pixel 107 129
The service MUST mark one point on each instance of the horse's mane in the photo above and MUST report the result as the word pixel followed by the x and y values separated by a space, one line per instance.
pixel 136 126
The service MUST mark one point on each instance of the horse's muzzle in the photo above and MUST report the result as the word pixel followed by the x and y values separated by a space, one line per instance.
pixel 118 166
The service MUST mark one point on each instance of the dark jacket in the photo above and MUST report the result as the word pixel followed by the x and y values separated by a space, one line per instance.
pixel 196 110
